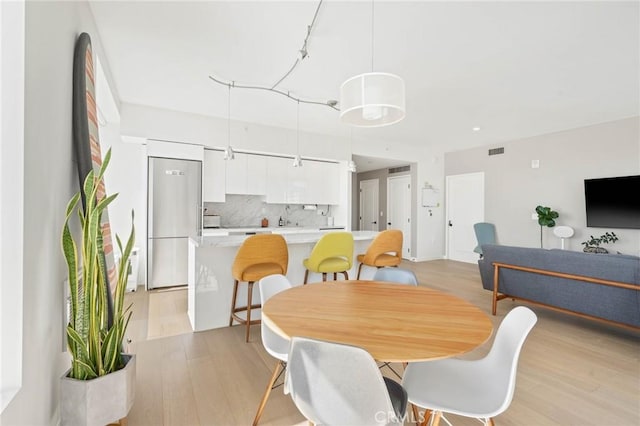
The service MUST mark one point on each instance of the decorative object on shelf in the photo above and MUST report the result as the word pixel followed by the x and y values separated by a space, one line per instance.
pixel 546 217
pixel 98 388
pixel 372 99
pixel 228 151
pixel 265 222
pixel 563 232
pixel 297 160
pixel 592 245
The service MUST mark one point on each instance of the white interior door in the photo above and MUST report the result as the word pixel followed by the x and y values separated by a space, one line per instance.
pixel 399 209
pixel 369 205
pixel 465 206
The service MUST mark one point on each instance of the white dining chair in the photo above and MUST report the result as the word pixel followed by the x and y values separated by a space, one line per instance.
pixel 274 344
pixel 336 384
pixel 396 275
pixel 481 388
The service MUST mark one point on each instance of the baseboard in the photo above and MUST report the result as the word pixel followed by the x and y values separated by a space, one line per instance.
pixel 424 259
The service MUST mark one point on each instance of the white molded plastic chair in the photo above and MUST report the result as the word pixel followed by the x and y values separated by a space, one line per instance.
pixel 275 345
pixel 396 275
pixel 335 384
pixel 473 388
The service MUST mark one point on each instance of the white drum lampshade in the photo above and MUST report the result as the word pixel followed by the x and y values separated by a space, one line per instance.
pixel 372 100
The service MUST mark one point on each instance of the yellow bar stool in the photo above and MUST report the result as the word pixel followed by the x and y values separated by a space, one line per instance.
pixel 332 253
pixel 258 256
pixel 384 250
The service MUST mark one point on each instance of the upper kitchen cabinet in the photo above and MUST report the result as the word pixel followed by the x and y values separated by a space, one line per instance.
pixel 256 174
pixel 246 174
pixel 323 182
pixel 316 182
pixel 213 176
pixel 277 179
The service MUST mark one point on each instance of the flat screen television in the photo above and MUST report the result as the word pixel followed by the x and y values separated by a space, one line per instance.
pixel 613 202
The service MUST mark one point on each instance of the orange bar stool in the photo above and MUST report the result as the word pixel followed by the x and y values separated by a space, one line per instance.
pixel 332 253
pixel 258 256
pixel 384 250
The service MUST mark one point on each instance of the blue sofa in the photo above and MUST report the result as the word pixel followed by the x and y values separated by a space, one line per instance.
pixel 618 303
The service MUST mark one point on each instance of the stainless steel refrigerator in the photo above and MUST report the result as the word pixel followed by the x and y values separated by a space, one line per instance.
pixel 174 213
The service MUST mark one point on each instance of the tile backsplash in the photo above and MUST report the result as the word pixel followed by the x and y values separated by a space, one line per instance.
pixel 248 211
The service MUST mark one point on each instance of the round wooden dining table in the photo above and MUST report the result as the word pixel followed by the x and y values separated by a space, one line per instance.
pixel 393 322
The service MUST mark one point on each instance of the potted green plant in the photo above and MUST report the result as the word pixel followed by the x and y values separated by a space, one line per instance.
pixel 98 388
pixel 546 217
pixel 592 245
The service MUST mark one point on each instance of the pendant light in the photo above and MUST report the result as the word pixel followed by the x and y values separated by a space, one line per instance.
pixel 372 99
pixel 351 165
pixel 228 151
pixel 297 161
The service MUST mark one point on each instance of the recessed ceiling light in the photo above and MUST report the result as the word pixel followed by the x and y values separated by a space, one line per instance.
pixel 476 129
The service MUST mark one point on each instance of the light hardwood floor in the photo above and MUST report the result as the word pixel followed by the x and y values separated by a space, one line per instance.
pixel 571 372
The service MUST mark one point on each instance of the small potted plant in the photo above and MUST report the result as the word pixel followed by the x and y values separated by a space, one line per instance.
pixel 546 217
pixel 592 245
pixel 98 388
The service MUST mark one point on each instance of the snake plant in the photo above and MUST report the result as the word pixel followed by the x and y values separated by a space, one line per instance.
pixel 95 342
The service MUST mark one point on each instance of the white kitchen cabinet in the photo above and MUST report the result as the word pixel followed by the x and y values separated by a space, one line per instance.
pixel 277 179
pixel 316 182
pixel 323 182
pixel 213 176
pixel 246 174
pixel 297 184
pixel 237 174
pixel 256 174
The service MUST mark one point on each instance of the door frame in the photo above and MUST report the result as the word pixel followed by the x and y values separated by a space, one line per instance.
pixel 408 240
pixel 377 202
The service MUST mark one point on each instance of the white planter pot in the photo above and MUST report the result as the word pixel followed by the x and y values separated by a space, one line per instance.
pixel 100 401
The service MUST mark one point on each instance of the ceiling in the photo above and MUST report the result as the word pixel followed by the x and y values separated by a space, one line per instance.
pixel 513 69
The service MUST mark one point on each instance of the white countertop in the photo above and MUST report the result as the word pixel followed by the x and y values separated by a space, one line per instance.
pixel 301 237
pixel 207 232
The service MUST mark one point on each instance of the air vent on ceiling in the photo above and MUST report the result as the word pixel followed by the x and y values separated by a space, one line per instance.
pixel 496 151
pixel 399 169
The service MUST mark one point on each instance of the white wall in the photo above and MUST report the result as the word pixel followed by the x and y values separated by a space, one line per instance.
pixel 50 179
pixel 513 189
pixel 12 24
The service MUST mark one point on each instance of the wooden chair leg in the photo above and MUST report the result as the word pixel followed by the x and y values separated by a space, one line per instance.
pixel 233 301
pixel 276 372
pixel 416 414
pixel 359 268
pixel 436 418
pixel 490 421
pixel 306 276
pixel 249 302
pixel 335 276
pixel 427 415
pixel 324 276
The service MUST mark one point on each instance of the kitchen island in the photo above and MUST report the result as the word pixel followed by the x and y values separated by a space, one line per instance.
pixel 211 283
